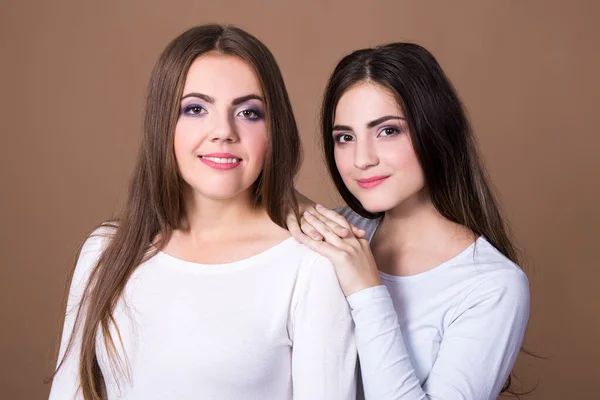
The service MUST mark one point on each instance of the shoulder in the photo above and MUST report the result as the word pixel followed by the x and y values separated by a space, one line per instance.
pixel 92 248
pixel 297 257
pixel 310 262
pixel 507 286
pixel 500 283
pixel 316 274
pixel 496 267
pixel 87 259
pixel 100 237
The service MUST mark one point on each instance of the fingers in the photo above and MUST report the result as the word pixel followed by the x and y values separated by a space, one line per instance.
pixel 307 228
pixel 340 227
pixel 337 223
pixel 364 243
pixel 332 215
pixel 322 228
pixel 359 233
pixel 340 221
pixel 304 229
pixel 292 225
pixel 334 226
pixel 323 248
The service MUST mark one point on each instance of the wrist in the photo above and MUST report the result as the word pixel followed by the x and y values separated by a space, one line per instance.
pixel 362 285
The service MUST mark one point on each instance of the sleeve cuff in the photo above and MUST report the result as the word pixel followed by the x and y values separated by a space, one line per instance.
pixel 366 296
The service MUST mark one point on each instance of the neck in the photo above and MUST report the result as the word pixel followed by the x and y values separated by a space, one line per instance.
pixel 414 237
pixel 214 219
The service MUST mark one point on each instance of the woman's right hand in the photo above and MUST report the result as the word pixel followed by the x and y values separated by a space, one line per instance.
pixel 303 230
pixel 351 256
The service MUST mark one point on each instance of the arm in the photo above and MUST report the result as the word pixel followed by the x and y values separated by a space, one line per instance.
pixel 65 383
pixel 477 353
pixel 324 352
pixel 479 346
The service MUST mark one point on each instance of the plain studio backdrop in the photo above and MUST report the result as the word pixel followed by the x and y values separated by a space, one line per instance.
pixel 73 77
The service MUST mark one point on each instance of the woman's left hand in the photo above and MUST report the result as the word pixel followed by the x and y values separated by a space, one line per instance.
pixel 352 257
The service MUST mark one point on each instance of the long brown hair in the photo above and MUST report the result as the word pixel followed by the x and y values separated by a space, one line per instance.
pixel 441 135
pixel 155 204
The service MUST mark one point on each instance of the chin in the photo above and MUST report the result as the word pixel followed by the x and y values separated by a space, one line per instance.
pixel 374 208
pixel 375 204
pixel 218 193
pixel 386 201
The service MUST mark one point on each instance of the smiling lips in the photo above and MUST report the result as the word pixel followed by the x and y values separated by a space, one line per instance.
pixel 222 161
pixel 369 183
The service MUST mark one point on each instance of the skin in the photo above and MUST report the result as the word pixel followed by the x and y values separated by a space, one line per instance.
pixel 222 111
pixel 372 139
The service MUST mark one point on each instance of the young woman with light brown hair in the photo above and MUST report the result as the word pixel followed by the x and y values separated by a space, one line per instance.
pixel 198 291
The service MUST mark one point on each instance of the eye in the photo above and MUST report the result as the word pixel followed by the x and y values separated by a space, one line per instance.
pixel 344 138
pixel 250 114
pixel 194 110
pixel 389 131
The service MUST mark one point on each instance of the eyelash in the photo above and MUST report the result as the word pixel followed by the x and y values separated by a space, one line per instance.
pixel 257 114
pixel 187 110
pixel 338 137
pixel 394 132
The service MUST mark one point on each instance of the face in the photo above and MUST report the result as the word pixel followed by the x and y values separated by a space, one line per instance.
pixel 221 134
pixel 372 148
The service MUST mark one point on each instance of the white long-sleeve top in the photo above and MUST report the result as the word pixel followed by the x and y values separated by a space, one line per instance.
pixel 272 326
pixel 450 333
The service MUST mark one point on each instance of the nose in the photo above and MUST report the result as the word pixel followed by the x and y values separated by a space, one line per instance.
pixel 365 155
pixel 223 130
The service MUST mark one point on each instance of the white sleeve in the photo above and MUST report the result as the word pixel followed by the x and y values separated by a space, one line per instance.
pixel 323 352
pixel 477 353
pixel 65 385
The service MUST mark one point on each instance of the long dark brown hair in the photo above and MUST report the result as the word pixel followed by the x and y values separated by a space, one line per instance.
pixel 441 135
pixel 155 206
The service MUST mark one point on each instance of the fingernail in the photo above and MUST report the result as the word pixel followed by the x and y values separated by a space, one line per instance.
pixel 319 206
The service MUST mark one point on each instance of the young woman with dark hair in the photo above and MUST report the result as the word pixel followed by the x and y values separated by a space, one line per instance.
pixel 421 251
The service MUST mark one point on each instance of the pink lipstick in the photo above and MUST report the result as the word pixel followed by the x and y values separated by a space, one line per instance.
pixel 221 161
pixel 369 183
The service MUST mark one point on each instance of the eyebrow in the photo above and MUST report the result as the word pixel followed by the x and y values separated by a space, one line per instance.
pixel 371 124
pixel 204 97
pixel 243 99
pixel 378 121
pixel 235 101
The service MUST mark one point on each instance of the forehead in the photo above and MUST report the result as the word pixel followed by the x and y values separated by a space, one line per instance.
pixel 221 76
pixel 364 102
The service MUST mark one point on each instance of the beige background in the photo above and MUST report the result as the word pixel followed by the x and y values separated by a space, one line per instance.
pixel 73 76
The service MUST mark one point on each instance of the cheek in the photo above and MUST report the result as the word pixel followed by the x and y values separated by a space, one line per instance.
pixel 256 143
pixel 344 160
pixel 179 145
pixel 185 141
pixel 401 157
